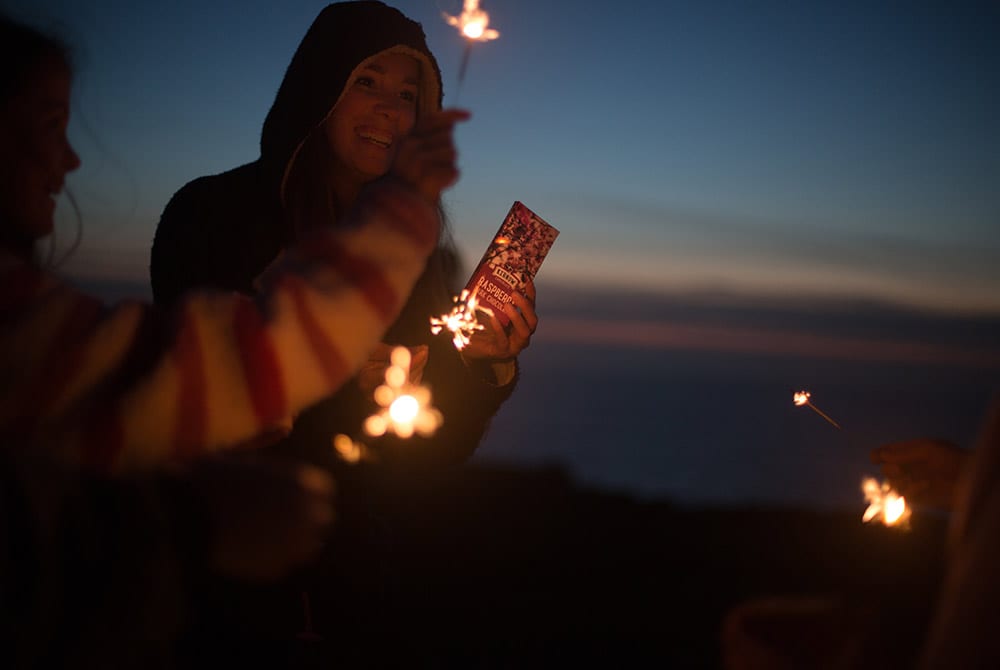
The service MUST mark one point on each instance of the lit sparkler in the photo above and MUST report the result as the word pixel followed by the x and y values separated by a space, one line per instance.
pixel 461 321
pixel 405 407
pixel 473 24
pixel 802 398
pixel 884 503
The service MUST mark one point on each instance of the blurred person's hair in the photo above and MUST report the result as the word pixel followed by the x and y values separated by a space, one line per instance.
pixel 26 52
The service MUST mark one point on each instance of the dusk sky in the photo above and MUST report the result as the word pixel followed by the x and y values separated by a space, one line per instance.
pixel 764 148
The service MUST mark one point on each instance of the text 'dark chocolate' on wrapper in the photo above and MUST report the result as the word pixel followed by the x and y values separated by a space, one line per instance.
pixel 513 257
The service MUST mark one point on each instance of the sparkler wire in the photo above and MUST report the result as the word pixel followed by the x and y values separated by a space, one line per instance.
pixel 824 415
pixel 464 66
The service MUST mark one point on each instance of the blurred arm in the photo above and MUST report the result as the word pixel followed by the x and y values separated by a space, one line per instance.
pixel 132 389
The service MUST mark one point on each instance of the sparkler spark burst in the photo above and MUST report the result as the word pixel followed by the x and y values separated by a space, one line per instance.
pixel 801 398
pixel 472 22
pixel 461 321
pixel 405 408
pixel 884 503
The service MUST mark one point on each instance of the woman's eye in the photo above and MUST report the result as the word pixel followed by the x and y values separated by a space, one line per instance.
pixel 367 82
pixel 409 96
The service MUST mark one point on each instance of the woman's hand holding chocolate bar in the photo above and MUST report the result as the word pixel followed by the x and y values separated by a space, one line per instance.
pixel 496 343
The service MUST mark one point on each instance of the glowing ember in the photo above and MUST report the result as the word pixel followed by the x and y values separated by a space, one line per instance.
pixel 801 398
pixel 405 407
pixel 348 449
pixel 473 22
pixel 884 503
pixel 461 321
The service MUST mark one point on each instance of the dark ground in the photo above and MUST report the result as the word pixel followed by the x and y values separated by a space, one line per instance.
pixel 494 567
pixel 519 565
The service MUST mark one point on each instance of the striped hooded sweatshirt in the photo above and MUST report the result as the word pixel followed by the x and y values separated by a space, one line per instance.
pixel 130 387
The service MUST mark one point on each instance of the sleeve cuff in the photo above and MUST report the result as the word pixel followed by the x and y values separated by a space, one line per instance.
pixel 504 371
pixel 495 373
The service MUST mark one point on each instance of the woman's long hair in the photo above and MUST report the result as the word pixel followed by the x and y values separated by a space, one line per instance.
pixel 308 196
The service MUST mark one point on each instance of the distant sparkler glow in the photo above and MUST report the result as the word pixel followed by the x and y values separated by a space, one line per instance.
pixel 802 398
pixel 884 503
pixel 461 321
pixel 405 408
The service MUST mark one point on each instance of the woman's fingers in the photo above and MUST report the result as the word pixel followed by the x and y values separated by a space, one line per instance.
pixel 427 156
pixel 444 120
pixel 525 312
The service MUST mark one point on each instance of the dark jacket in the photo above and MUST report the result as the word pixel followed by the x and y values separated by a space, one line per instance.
pixel 223 231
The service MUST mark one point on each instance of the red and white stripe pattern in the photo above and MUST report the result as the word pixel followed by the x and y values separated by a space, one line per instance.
pixel 127 388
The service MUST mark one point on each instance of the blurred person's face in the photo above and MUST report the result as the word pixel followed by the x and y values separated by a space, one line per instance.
pixel 378 108
pixel 36 155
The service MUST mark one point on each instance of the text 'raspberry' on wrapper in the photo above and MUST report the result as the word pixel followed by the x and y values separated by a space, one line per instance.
pixel 513 258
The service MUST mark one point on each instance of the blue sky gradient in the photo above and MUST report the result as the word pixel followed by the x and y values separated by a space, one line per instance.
pixel 753 198
pixel 758 149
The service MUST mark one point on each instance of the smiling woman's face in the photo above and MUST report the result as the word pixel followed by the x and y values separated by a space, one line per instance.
pixel 36 153
pixel 377 109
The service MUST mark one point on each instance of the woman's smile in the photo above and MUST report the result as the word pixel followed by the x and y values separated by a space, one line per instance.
pixel 379 137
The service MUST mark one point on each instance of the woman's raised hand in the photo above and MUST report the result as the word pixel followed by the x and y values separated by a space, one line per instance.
pixel 427 157
pixel 496 343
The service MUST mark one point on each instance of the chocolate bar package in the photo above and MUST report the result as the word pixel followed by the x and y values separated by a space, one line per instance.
pixel 513 257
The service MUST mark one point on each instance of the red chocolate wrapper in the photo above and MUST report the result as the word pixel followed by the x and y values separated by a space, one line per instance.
pixel 513 257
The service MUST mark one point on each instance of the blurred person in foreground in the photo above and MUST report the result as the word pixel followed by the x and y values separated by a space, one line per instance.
pixel 116 496
pixel 130 387
pixel 963 631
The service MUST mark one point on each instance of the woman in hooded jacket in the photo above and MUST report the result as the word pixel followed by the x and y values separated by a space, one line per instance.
pixel 359 80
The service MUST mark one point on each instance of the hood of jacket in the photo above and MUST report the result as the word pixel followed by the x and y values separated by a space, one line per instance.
pixel 340 39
